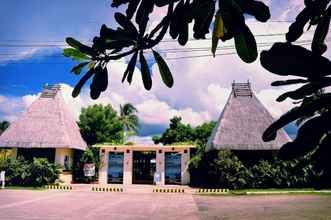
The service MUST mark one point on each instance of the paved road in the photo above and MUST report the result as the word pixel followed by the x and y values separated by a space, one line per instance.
pixel 52 205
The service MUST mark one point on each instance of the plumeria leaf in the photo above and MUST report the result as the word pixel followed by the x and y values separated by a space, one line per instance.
pixel 81 47
pixel 81 83
pixel 77 69
pixel 75 54
pixel 246 45
pixel 130 68
pixel 145 73
pixel 164 70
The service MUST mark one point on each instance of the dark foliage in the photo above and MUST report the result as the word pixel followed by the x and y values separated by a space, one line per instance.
pixel 313 109
pixel 223 169
pixel 3 126
pixel 184 133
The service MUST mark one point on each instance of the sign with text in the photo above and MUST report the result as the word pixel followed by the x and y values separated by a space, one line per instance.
pixel 89 169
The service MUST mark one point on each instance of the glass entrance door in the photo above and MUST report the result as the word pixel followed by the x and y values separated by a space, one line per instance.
pixel 144 167
pixel 115 167
pixel 172 168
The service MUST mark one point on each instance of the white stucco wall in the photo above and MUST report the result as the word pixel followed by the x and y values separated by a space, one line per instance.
pixel 103 166
pixel 185 175
pixel 127 170
pixel 160 165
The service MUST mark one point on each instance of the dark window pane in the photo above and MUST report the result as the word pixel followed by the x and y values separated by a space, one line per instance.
pixel 115 167
pixel 172 168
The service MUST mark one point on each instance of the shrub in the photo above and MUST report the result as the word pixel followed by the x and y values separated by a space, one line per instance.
pixel 42 172
pixel 231 173
pixel 39 172
pixel 219 169
pixel 225 170
pixel 264 175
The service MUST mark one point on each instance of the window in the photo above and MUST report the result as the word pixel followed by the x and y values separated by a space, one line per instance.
pixel 115 167
pixel 172 168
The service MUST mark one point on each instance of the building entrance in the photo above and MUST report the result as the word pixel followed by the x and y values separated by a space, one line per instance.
pixel 144 167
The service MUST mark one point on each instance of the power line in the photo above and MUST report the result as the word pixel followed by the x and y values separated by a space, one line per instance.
pixel 88 40
pixel 178 50
pixel 303 42
pixel 47 44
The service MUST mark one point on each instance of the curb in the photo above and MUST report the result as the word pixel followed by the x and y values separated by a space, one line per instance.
pixel 212 191
pixel 163 190
pixel 288 192
pixel 106 189
pixel 59 187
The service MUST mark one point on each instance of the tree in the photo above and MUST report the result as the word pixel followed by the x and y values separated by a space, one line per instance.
pixel 179 132
pixel 229 22
pixel 99 124
pixel 3 126
pixel 129 118
pixel 204 131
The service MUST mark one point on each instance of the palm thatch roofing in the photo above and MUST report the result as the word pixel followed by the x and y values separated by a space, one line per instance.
pixel 47 123
pixel 242 122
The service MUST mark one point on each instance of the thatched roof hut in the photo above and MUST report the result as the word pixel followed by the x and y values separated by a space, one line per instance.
pixel 242 123
pixel 47 123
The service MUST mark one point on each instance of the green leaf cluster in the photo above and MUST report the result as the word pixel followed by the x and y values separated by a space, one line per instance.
pixel 184 133
pixel 99 124
pixel 38 172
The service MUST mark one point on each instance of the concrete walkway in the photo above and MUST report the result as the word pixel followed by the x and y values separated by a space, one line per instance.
pixel 65 205
pixel 54 205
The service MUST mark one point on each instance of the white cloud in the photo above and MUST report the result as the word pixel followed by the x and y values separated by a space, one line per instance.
pixel 11 107
pixel 15 55
pixel 268 97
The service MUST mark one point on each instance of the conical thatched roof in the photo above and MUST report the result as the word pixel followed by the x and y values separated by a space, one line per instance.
pixel 47 123
pixel 242 123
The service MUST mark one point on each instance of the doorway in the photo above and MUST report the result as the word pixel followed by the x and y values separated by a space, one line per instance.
pixel 144 167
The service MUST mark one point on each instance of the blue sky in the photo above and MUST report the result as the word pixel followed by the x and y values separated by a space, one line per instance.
pixel 201 85
pixel 44 22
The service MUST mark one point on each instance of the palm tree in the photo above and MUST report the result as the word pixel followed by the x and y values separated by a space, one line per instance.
pixel 3 126
pixel 129 118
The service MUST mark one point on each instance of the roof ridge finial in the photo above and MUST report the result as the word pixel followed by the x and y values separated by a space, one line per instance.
pixel 50 90
pixel 242 89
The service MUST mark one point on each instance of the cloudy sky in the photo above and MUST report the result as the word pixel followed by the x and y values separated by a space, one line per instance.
pixel 32 38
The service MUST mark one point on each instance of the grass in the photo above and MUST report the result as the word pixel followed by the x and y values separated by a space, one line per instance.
pixel 273 191
pixel 24 188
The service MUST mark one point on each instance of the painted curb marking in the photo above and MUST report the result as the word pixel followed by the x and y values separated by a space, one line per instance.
pixel 169 190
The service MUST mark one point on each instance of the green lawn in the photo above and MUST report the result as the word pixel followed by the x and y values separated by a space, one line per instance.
pixel 24 188
pixel 273 191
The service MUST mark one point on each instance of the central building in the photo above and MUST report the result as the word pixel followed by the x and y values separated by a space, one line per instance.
pixel 141 164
